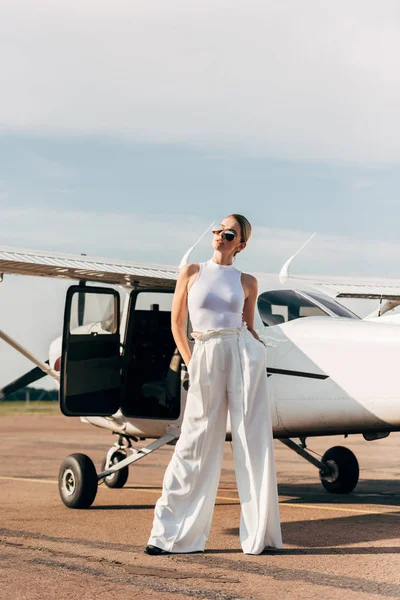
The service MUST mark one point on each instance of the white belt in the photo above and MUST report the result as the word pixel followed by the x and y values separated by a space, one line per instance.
pixel 241 334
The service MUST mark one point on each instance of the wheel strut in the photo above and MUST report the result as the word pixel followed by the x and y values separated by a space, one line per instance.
pixel 324 468
pixel 136 455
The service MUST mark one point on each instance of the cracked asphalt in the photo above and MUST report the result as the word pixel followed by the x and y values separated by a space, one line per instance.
pixel 333 545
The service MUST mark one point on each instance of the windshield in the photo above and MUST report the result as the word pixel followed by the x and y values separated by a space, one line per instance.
pixel 279 306
pixel 338 309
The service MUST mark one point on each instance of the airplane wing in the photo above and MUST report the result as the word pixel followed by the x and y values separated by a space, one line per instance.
pixel 69 266
pixel 76 266
pixel 347 287
pixel 373 289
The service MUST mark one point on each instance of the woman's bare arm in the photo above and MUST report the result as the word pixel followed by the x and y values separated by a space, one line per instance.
pixel 179 310
pixel 250 286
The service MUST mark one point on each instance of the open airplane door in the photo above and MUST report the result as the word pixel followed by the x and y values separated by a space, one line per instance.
pixel 90 382
pixel 151 387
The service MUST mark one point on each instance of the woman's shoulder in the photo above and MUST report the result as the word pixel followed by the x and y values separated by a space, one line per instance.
pixel 189 270
pixel 249 280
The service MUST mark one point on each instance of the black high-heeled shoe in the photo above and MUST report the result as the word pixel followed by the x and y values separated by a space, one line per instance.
pixel 155 550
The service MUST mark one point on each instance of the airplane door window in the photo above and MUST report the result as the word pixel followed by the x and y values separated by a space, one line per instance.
pixel 92 312
pixel 153 301
pixel 279 306
pixel 91 365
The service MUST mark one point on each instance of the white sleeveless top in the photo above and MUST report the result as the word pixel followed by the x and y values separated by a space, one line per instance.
pixel 216 298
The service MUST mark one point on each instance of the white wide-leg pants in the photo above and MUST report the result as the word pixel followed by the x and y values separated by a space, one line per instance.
pixel 227 369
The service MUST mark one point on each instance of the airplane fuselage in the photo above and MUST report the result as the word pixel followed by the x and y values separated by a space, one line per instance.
pixel 326 376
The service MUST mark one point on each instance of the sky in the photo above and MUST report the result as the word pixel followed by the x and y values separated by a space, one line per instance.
pixel 128 127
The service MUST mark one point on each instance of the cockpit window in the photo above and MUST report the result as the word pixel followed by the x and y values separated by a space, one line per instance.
pixel 279 306
pixel 338 309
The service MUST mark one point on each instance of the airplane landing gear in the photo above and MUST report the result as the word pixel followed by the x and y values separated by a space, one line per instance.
pixel 77 481
pixel 119 478
pixel 342 475
pixel 117 453
pixel 338 468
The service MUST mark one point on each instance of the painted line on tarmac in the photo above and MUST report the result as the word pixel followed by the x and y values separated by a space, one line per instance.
pixel 149 490
pixel 323 507
pixel 340 509
pixel 230 499
pixel 32 480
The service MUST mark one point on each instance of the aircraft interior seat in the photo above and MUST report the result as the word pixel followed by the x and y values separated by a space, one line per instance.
pixel 267 317
pixel 152 385
pixel 166 390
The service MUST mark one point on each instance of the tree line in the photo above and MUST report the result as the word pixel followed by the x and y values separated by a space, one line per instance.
pixel 32 394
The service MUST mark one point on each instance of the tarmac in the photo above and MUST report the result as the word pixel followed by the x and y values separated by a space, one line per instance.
pixel 335 546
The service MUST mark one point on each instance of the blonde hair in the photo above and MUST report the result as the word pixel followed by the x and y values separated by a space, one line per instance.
pixel 245 228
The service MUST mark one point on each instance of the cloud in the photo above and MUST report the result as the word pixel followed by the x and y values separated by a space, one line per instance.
pixel 286 79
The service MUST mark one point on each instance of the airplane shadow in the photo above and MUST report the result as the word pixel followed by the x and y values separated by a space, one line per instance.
pixel 123 507
pixel 369 491
pixel 328 536
pixel 364 550
pixel 137 506
pixel 224 551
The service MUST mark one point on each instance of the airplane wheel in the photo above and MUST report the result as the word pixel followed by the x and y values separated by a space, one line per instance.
pixel 119 478
pixel 342 476
pixel 77 481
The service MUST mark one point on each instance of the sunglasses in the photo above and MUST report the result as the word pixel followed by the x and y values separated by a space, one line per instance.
pixel 226 234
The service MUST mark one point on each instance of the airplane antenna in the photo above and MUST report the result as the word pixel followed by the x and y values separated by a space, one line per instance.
pixel 284 273
pixel 185 258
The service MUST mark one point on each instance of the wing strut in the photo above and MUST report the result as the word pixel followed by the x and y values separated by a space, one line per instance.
pixel 45 368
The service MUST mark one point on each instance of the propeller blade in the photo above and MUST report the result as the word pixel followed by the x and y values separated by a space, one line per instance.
pixel 23 381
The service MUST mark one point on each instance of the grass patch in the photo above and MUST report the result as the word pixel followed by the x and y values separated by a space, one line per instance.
pixel 31 408
pixel 41 549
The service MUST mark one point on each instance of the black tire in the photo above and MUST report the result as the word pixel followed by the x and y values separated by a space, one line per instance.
pixel 119 478
pixel 343 477
pixel 77 481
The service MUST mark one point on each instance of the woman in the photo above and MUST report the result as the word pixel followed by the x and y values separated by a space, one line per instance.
pixel 227 370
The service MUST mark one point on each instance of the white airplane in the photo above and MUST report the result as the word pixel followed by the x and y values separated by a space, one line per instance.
pixel 330 372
